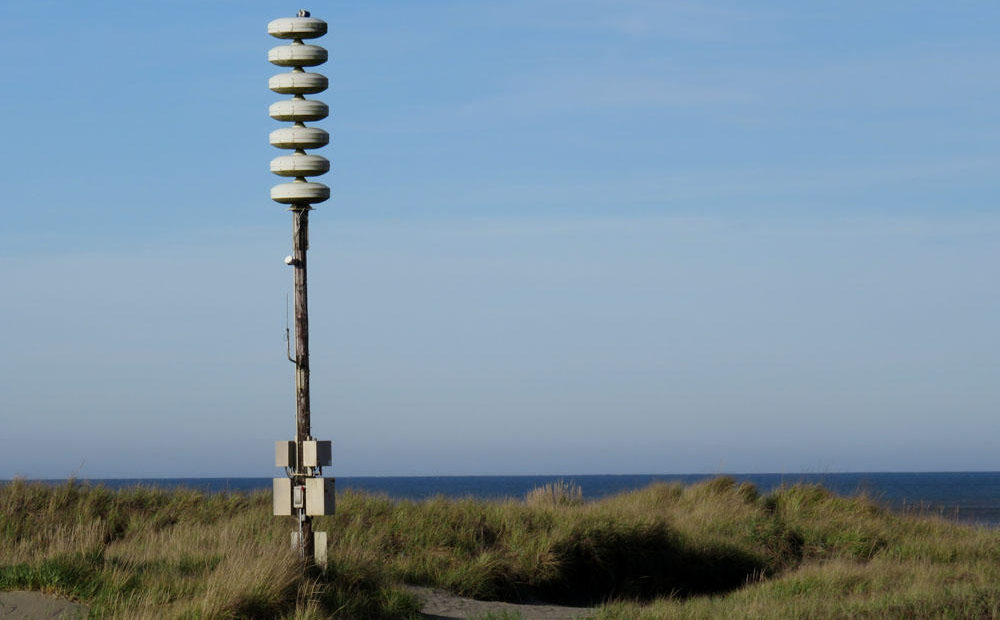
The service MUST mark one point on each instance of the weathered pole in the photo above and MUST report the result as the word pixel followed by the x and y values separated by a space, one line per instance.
pixel 303 432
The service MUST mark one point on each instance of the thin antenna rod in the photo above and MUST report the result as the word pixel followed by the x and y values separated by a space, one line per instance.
pixel 288 337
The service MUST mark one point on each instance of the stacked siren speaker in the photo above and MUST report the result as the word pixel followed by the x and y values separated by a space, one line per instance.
pixel 298 82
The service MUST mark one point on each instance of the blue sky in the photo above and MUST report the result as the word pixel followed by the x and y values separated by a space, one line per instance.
pixel 565 237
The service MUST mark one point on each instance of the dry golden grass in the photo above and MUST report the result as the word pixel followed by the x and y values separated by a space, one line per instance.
pixel 147 553
pixel 558 493
pixel 715 549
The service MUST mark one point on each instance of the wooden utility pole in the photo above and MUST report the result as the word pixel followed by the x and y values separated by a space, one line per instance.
pixel 300 237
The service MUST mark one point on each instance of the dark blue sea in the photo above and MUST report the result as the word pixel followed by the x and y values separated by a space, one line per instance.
pixel 963 496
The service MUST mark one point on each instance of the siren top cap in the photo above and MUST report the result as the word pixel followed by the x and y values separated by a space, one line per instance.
pixel 297 28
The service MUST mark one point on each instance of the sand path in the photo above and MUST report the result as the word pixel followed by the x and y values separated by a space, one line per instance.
pixel 21 605
pixel 440 605
pixel 437 605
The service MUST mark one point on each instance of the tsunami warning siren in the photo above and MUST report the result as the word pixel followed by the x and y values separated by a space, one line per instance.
pixel 299 110
pixel 303 492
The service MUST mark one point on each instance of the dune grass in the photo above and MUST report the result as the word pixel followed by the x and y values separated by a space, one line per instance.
pixel 153 553
pixel 714 549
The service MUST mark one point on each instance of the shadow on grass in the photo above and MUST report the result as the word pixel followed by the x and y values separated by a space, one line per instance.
pixel 602 560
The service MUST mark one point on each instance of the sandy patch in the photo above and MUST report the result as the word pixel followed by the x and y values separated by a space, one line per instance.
pixel 440 605
pixel 437 605
pixel 22 605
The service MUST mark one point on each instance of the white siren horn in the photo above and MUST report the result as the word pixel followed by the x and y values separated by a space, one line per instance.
pixel 298 82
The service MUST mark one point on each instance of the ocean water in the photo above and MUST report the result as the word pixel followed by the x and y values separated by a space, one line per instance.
pixel 963 496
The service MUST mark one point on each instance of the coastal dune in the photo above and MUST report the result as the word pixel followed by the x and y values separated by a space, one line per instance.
pixel 718 548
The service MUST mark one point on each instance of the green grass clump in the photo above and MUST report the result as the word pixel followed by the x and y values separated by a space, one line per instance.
pixel 558 493
pixel 709 550
pixel 154 553
pixel 827 556
pixel 548 550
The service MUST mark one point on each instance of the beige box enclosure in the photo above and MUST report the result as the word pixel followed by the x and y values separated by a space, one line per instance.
pixel 317 453
pixel 282 497
pixel 314 453
pixel 320 496
pixel 284 454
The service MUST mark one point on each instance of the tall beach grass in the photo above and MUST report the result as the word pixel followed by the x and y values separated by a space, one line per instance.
pixel 713 549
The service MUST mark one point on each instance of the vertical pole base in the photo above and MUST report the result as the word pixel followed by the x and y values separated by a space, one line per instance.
pixel 320 547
